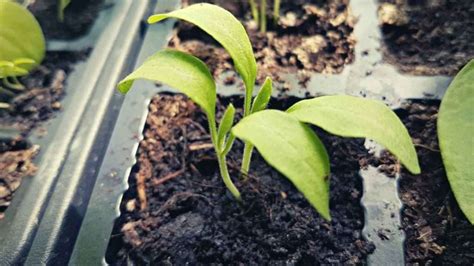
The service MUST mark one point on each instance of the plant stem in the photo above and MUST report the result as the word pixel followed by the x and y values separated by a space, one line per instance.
pixel 247 157
pixel 221 159
pixel 226 177
pixel 254 10
pixel 16 85
pixel 263 16
pixel 228 144
pixel 276 11
pixel 248 146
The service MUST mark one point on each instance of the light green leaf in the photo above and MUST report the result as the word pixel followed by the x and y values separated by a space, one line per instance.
pixel 62 4
pixel 180 71
pixel 10 69
pixel 349 116
pixel 20 34
pixel 293 149
pixel 226 29
pixel 456 138
pixel 263 97
pixel 226 124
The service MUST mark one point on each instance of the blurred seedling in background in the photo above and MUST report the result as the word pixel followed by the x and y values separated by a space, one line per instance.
pixel 260 17
pixel 23 47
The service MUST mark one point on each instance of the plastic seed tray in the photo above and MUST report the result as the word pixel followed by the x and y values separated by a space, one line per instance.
pixel 368 76
pixel 42 204
pixel 66 217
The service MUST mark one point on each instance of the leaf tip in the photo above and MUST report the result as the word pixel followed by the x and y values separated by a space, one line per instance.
pixel 155 18
pixel 124 86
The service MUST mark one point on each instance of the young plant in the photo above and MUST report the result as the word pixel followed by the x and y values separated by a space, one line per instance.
pixel 62 4
pixel 283 138
pixel 456 141
pixel 261 18
pixel 23 45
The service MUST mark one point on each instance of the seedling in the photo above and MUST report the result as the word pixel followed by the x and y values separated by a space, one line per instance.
pixel 23 46
pixel 282 138
pixel 456 141
pixel 62 4
pixel 260 18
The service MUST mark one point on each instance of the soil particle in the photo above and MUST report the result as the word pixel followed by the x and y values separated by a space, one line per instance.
pixel 79 16
pixel 437 232
pixel 192 218
pixel 38 102
pixel 428 36
pixel 313 36
pixel 14 165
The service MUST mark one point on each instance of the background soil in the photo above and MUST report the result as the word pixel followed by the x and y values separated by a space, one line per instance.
pixel 310 36
pixel 79 16
pixel 428 36
pixel 178 211
pixel 437 231
pixel 39 102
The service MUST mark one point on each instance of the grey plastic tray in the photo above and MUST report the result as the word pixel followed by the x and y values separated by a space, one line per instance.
pixel 368 76
pixel 62 155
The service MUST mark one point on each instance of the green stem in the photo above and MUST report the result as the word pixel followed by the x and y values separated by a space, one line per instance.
pixel 247 157
pixel 228 144
pixel 254 10
pixel 276 11
pixel 221 159
pixel 248 147
pixel 263 16
pixel 16 85
pixel 226 177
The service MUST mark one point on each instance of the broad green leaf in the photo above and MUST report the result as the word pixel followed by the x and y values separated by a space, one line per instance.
pixel 20 34
pixel 180 71
pixel 263 97
pixel 62 4
pixel 349 116
pixel 456 137
pixel 226 124
pixel 293 149
pixel 224 28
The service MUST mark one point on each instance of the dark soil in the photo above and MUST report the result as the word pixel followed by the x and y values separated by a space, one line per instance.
pixel 178 211
pixel 428 36
pixel 311 36
pixel 39 102
pixel 79 16
pixel 437 231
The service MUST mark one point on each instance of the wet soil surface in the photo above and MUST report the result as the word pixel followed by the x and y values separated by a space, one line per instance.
pixel 437 233
pixel 39 101
pixel 178 211
pixel 79 16
pixel 428 36
pixel 310 36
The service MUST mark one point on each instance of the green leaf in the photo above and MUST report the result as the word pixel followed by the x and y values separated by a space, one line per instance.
pixel 10 69
pixel 20 34
pixel 263 97
pixel 226 124
pixel 62 4
pixel 224 28
pixel 180 71
pixel 349 116
pixel 456 138
pixel 293 149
